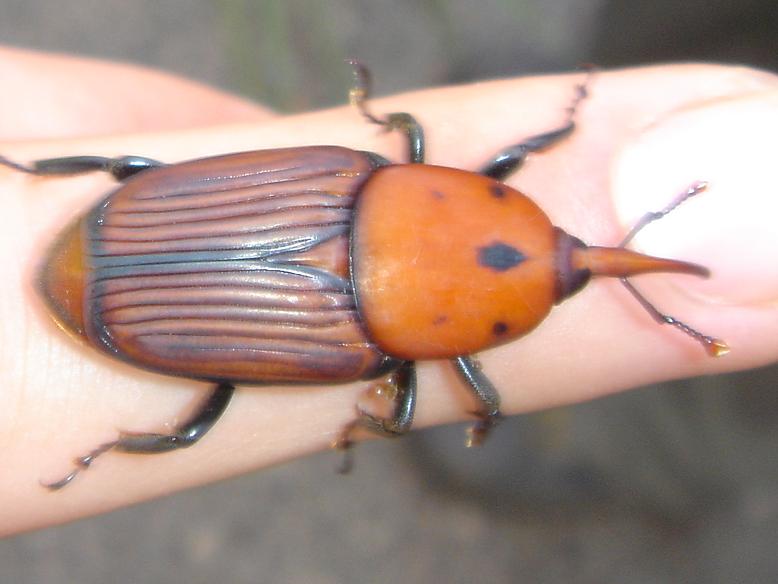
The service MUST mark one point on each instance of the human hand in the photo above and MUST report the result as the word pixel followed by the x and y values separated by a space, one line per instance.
pixel 643 135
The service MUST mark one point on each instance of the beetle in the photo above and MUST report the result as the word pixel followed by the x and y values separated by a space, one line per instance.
pixel 319 265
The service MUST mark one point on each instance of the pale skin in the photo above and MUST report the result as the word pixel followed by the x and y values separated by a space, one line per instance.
pixel 643 136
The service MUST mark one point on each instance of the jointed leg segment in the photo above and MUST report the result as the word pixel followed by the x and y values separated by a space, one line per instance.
pixel 510 159
pixel 484 391
pixel 120 168
pixel 404 122
pixel 402 381
pixel 148 443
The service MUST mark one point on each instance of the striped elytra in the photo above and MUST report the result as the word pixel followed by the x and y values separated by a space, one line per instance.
pixel 232 268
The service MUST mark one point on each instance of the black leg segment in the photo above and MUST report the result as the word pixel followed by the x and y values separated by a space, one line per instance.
pixel 510 159
pixel 120 168
pixel 404 122
pixel 148 443
pixel 489 400
pixel 403 383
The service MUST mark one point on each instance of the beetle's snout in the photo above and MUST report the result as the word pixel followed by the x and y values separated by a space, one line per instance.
pixel 618 262
pixel 577 263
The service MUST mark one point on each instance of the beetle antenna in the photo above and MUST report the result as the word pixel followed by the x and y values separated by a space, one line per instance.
pixel 714 347
pixel 694 189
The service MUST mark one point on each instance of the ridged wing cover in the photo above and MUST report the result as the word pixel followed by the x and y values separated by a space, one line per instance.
pixel 233 268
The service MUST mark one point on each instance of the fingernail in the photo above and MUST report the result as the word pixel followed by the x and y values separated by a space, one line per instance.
pixel 731 227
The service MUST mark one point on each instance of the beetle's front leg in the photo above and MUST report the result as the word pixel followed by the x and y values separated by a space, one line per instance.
pixel 120 168
pixel 489 400
pixel 401 383
pixel 510 159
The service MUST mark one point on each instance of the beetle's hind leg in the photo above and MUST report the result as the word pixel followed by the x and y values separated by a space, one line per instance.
pixel 359 94
pixel 401 384
pixel 120 168
pixel 510 159
pixel 488 413
pixel 148 443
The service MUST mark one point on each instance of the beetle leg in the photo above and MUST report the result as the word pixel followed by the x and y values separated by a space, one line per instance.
pixel 510 159
pixel 148 443
pixel 402 382
pixel 489 400
pixel 120 168
pixel 359 94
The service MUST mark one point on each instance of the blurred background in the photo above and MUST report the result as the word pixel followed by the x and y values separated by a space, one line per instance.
pixel 676 483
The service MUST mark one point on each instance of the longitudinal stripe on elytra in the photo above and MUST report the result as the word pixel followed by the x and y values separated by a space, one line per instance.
pixel 219 184
pixel 271 283
pixel 256 207
pixel 347 332
pixel 221 230
pixel 292 274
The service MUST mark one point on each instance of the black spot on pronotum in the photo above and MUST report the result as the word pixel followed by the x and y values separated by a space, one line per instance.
pixel 497 191
pixel 440 319
pixel 500 256
pixel 437 194
pixel 499 328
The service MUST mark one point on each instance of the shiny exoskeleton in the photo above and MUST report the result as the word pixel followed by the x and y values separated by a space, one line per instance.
pixel 318 265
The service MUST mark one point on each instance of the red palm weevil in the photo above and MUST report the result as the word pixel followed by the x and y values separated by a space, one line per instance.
pixel 297 266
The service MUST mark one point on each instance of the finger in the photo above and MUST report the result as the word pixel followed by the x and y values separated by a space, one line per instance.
pixel 604 341
pixel 62 399
pixel 48 95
